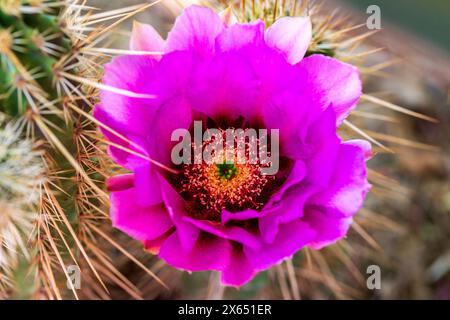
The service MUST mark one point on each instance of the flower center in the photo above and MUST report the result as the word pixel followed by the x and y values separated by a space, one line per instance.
pixel 221 184
pixel 226 170
pixel 224 186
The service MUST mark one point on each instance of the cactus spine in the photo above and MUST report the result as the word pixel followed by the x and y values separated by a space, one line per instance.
pixel 49 70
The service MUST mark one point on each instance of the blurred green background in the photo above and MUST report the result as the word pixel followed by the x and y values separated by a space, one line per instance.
pixel 429 19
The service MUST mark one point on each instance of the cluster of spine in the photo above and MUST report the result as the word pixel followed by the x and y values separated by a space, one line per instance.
pixel 50 68
pixel 330 30
pixel 21 173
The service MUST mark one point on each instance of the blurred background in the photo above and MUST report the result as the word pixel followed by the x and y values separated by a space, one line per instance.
pixel 406 221
pixel 415 262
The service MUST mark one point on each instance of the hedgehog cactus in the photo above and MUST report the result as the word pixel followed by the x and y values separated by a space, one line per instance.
pixel 33 45
pixel 21 172
pixel 48 75
pixel 31 42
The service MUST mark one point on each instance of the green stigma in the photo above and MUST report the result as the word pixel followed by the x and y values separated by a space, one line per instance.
pixel 226 170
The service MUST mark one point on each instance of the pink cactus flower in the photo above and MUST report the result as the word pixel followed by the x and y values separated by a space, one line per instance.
pixel 224 74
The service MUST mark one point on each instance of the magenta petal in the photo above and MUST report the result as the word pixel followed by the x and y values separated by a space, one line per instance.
pixel 297 174
pixel 329 229
pixel 127 118
pixel 225 87
pixel 129 115
pixel 363 145
pixel 239 271
pixel 247 214
pixel 120 182
pixel 187 233
pixel 347 190
pixel 142 223
pixel 195 29
pixel 208 253
pixel 236 234
pixel 145 38
pixel 321 149
pixel 147 185
pixel 286 204
pixel 154 245
pixel 122 149
pixel 290 108
pixel 291 238
pixel 290 35
pixel 173 114
pixel 289 209
pixel 240 35
pixel 338 83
